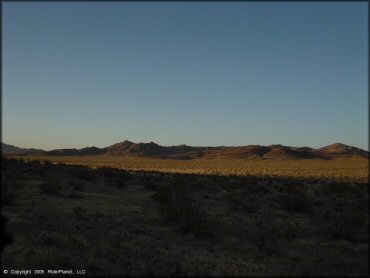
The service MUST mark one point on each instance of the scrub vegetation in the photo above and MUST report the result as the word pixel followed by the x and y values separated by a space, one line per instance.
pixel 191 218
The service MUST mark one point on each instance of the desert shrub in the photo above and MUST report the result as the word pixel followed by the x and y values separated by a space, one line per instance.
pixel 77 186
pixel 269 233
pixel 297 201
pixel 11 183
pixel 204 184
pixel 82 173
pixel 263 233
pixel 290 229
pixel 35 162
pixel 291 187
pixel 51 185
pixel 338 188
pixel 231 186
pixel 8 162
pixel 255 188
pixel 112 172
pixel 242 202
pixel 150 182
pixel 249 185
pixel 116 182
pixel 75 195
pixel 6 238
pixel 27 168
pixel 114 177
pixel 179 206
pixel 11 166
pixel 78 211
pixel 21 160
pixel 9 190
pixel 207 196
pixel 47 163
pixel 105 171
pixel 342 217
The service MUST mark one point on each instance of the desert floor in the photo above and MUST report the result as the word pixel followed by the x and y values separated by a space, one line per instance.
pixel 166 217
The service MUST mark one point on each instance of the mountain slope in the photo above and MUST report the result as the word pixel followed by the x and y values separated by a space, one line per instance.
pixel 75 152
pixel 339 150
pixel 276 152
pixel 10 149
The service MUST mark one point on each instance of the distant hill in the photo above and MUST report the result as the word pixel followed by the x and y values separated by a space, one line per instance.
pixel 10 149
pixel 257 152
pixel 339 150
pixel 73 152
pixel 154 150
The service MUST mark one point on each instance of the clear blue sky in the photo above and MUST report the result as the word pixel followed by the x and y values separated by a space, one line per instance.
pixel 83 74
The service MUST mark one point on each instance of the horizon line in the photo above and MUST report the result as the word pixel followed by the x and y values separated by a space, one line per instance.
pixel 200 146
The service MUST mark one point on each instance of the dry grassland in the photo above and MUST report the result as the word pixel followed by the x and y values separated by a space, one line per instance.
pixel 345 170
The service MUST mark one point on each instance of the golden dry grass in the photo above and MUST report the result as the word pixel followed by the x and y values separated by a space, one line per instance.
pixel 347 170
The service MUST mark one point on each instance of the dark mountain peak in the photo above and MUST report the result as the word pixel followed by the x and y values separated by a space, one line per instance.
pixel 91 151
pixel 305 148
pixel 151 143
pixel 62 152
pixel 89 148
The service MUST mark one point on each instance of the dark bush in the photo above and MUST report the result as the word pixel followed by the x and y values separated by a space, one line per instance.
pixel 179 206
pixel 291 229
pixel 231 186
pixel 9 190
pixel 116 182
pixel 298 201
pixel 150 184
pixel 341 218
pixel 243 202
pixel 255 188
pixel 6 238
pixel 77 186
pixel 338 188
pixel 78 211
pixel 149 181
pixel 114 177
pixel 112 172
pixel 75 195
pixel 10 164
pixel 82 173
pixel 264 234
pixel 51 185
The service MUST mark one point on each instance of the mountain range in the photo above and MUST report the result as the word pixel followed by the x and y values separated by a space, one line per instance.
pixel 184 152
pixel 10 149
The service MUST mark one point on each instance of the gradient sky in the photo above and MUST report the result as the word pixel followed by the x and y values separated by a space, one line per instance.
pixel 94 73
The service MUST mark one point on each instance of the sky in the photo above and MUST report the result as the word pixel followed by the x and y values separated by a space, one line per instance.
pixel 202 74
